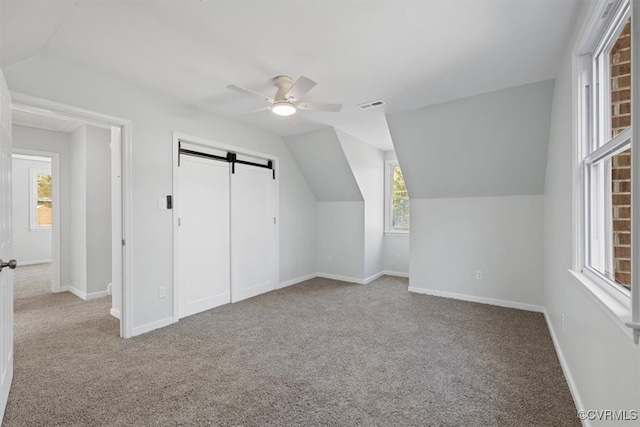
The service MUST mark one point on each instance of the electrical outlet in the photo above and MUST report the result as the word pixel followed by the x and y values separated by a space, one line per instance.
pixel 479 275
pixel 398 257
pixel 162 291
pixel 562 318
pixel 329 259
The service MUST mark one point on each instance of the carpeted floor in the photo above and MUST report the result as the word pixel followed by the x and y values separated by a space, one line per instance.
pixel 319 353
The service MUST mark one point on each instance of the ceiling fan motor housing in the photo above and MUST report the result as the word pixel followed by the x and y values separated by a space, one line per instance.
pixel 283 83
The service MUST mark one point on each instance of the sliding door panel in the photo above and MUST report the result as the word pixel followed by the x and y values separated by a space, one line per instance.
pixel 203 236
pixel 253 249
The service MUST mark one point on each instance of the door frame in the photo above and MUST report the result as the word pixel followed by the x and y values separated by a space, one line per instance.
pixel 55 196
pixel 215 145
pixel 41 106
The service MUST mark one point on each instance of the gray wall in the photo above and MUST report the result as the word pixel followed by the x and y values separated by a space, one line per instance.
pixel 55 142
pixel 78 211
pixel 493 144
pixel 153 119
pixel 367 165
pixel 98 198
pixel 602 362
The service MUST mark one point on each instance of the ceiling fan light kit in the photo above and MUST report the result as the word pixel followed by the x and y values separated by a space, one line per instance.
pixel 283 108
pixel 286 102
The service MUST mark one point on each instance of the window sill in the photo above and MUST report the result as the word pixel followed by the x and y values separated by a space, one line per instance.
pixel 397 233
pixel 618 312
pixel 40 229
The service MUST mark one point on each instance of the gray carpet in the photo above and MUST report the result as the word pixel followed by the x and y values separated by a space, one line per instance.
pixel 319 353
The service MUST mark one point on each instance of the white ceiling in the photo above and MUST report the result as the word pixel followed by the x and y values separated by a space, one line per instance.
pixel 408 53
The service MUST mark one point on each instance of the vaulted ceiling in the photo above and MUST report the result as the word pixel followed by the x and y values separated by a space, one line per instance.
pixel 408 53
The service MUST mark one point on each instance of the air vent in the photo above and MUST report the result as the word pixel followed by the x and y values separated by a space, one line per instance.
pixel 371 104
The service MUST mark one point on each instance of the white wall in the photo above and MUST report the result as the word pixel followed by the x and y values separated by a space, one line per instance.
pixel 602 362
pixel 367 165
pixel 55 142
pixel 78 211
pixel 153 119
pixel 98 181
pixel 453 238
pixel 396 245
pixel 341 237
pixel 29 246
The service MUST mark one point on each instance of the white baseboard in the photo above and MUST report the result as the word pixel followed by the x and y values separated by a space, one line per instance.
pixel 341 278
pixel 565 368
pixel 64 289
pixel 296 280
pixel 76 292
pixel 85 296
pixel 34 262
pixel 373 277
pixel 396 273
pixel 139 330
pixel 482 300
pixel 115 313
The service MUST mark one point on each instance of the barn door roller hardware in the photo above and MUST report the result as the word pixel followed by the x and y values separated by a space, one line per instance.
pixel 229 158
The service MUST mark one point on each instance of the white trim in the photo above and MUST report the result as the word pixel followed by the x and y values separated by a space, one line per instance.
pixel 481 300
pixel 87 296
pixel 396 273
pixel 604 298
pixel 34 262
pixel 340 278
pixel 388 178
pixel 216 145
pixel 115 313
pixel 33 198
pixel 6 384
pixel 138 330
pixel 55 196
pixel 573 388
pixel 64 289
pixel 373 277
pixel 297 280
pixel 28 103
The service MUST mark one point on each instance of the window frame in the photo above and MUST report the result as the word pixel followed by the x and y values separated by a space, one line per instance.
pixel 33 199
pixel 590 128
pixel 388 205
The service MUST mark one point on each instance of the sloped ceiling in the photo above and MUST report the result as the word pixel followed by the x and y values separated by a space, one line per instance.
pixel 321 159
pixel 493 144
pixel 409 53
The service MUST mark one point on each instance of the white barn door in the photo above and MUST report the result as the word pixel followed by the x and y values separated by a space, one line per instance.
pixel 253 232
pixel 6 249
pixel 203 235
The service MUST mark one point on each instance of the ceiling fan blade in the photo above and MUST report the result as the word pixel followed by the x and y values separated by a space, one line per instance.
pixel 293 119
pixel 257 110
pixel 251 93
pixel 319 106
pixel 300 88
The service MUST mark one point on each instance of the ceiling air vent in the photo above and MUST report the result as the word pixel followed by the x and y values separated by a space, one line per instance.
pixel 371 104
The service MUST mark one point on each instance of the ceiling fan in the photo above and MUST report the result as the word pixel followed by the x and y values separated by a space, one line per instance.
pixel 287 99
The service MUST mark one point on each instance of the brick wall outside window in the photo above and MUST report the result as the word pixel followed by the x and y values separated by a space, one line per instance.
pixel 621 167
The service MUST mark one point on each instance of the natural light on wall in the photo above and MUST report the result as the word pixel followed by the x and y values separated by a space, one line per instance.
pixel 396 199
pixel 605 159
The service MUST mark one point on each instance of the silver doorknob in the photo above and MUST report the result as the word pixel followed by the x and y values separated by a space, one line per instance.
pixel 11 264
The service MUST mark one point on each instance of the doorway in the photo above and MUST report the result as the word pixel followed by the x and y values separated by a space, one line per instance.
pixel 118 140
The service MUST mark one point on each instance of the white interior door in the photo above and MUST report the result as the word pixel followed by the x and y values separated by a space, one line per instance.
pixel 203 235
pixel 6 248
pixel 253 249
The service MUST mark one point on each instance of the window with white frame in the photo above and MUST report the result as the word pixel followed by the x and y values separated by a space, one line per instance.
pixel 605 152
pixel 40 209
pixel 396 199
